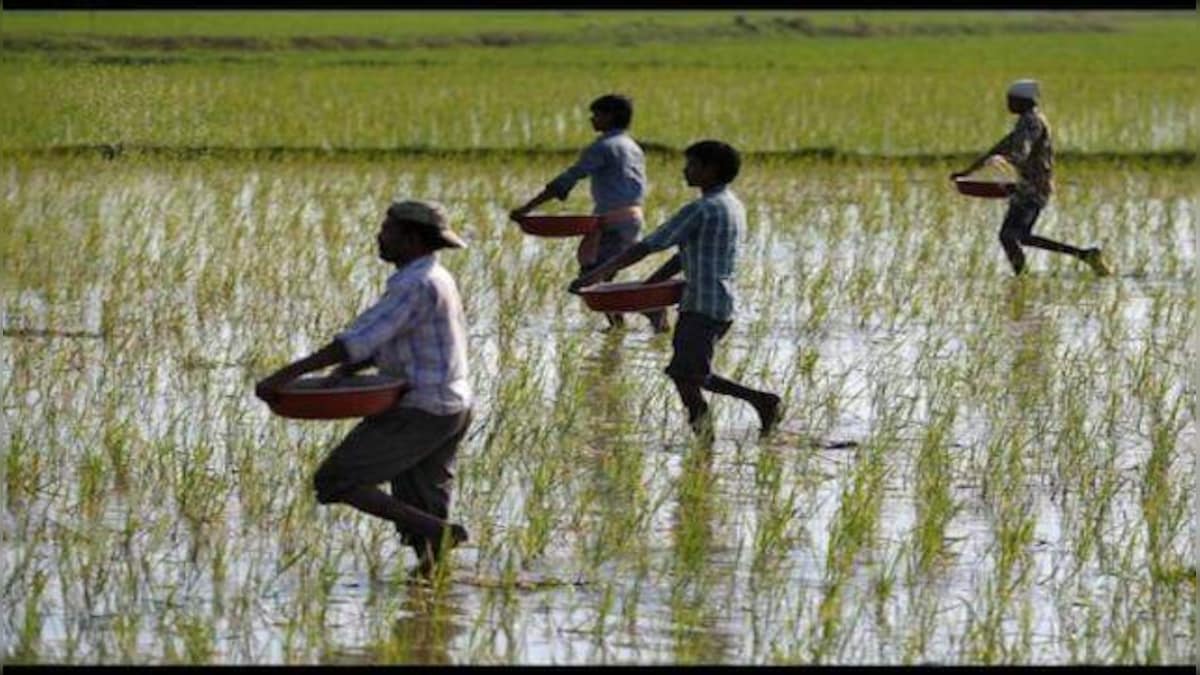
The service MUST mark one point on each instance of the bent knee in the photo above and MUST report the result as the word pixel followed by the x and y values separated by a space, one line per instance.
pixel 1009 238
pixel 685 378
pixel 328 489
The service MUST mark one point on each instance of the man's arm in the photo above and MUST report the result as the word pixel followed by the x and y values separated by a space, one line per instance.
pixel 267 388
pixel 669 269
pixel 346 368
pixel 590 160
pixel 629 256
pixel 997 149
pixel 669 234
pixel 541 198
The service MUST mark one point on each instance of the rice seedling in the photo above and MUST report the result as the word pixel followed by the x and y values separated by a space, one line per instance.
pixel 971 468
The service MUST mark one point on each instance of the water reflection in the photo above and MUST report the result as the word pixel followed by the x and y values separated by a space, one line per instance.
pixel 421 629
pixel 694 612
pixel 1032 337
pixel 662 531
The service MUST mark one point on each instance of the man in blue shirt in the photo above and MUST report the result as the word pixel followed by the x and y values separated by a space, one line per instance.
pixel 617 168
pixel 706 232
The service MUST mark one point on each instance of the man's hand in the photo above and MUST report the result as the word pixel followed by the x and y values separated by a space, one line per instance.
pixel 958 174
pixel 517 214
pixel 583 281
pixel 344 370
pixel 267 389
pixel 338 374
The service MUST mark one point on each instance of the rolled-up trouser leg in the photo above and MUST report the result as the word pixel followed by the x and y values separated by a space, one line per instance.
pixel 1018 224
pixel 392 444
pixel 428 485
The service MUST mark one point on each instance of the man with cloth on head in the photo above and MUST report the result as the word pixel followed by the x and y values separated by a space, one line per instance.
pixel 1028 148
pixel 416 333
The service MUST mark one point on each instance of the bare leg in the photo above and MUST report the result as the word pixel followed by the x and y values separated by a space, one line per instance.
pixel 1051 245
pixel 658 320
pixel 693 400
pixel 765 403
pixel 1012 249
pixel 615 320
pixel 371 500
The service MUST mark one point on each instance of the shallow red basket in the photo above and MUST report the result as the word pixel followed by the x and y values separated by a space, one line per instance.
pixel 324 398
pixel 984 188
pixel 558 226
pixel 633 296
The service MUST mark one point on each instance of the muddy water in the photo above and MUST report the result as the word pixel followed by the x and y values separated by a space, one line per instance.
pixel 207 546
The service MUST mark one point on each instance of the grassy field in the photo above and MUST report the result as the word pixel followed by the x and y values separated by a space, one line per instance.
pixel 1113 84
pixel 971 468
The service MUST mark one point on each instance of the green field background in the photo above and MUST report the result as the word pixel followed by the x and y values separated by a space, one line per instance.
pixel 880 84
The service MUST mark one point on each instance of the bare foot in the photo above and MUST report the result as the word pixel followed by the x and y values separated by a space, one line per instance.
pixel 768 414
pixel 433 554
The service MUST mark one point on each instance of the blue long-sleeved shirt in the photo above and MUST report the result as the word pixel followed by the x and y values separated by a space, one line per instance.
pixel 617 168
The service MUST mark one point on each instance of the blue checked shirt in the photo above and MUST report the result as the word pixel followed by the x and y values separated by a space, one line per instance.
pixel 617 168
pixel 706 232
pixel 416 332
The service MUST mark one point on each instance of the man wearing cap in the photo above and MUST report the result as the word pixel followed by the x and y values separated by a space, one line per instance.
pixel 1028 148
pixel 415 332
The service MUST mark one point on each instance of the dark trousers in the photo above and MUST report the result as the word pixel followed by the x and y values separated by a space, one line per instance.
pixel 1017 231
pixel 409 448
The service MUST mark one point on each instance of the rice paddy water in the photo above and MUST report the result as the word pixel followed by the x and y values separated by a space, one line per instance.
pixel 971 467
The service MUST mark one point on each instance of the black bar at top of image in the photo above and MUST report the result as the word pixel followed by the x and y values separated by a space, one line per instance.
pixel 490 5
pixel 614 669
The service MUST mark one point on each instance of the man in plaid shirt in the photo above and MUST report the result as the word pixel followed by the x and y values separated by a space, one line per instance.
pixel 706 232
pixel 415 332
pixel 1028 148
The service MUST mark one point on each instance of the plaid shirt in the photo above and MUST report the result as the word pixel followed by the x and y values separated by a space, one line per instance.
pixel 706 232
pixel 416 332
pixel 1027 147
pixel 618 170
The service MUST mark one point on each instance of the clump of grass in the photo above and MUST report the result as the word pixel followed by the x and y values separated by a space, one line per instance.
pixel 998 427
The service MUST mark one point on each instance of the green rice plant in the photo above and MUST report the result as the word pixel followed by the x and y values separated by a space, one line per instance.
pixel 1001 426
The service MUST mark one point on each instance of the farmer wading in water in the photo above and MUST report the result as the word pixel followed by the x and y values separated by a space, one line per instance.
pixel 416 333
pixel 1028 148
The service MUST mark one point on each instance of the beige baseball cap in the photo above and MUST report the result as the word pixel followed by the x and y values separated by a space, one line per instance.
pixel 429 215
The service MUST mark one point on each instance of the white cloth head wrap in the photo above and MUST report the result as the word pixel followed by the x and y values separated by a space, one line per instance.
pixel 1026 89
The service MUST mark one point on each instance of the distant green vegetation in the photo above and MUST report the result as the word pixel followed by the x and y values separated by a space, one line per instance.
pixel 884 84
pixel 275 29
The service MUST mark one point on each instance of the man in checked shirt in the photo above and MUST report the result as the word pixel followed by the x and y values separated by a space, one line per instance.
pixel 416 333
pixel 706 232
pixel 617 168
pixel 1028 148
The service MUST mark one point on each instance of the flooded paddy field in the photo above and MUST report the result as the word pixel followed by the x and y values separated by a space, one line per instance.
pixel 971 468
